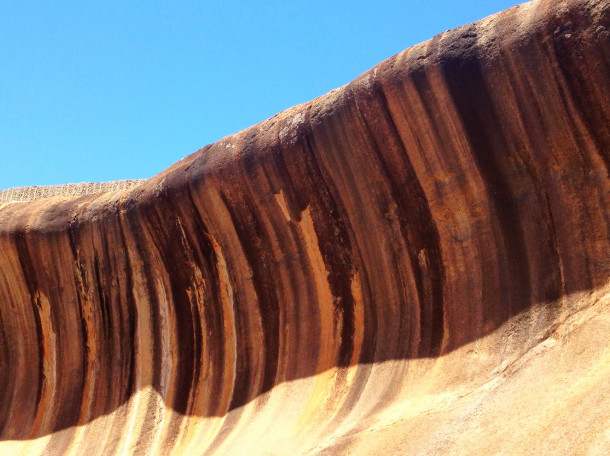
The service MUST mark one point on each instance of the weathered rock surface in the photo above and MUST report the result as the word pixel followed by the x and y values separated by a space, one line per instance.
pixel 415 263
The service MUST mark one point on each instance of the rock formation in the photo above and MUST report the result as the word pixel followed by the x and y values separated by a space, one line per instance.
pixel 415 263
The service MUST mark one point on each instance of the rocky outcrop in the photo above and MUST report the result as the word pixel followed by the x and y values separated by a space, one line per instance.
pixel 415 263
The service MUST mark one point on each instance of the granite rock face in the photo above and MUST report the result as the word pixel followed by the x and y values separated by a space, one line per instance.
pixel 415 263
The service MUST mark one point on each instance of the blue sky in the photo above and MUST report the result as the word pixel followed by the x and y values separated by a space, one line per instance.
pixel 104 90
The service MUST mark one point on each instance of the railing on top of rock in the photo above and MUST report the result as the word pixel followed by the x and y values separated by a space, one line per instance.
pixel 23 194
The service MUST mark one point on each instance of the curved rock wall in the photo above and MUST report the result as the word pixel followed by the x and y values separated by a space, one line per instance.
pixel 384 270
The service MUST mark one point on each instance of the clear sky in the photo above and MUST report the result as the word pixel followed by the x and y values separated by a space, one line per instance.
pixel 104 90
